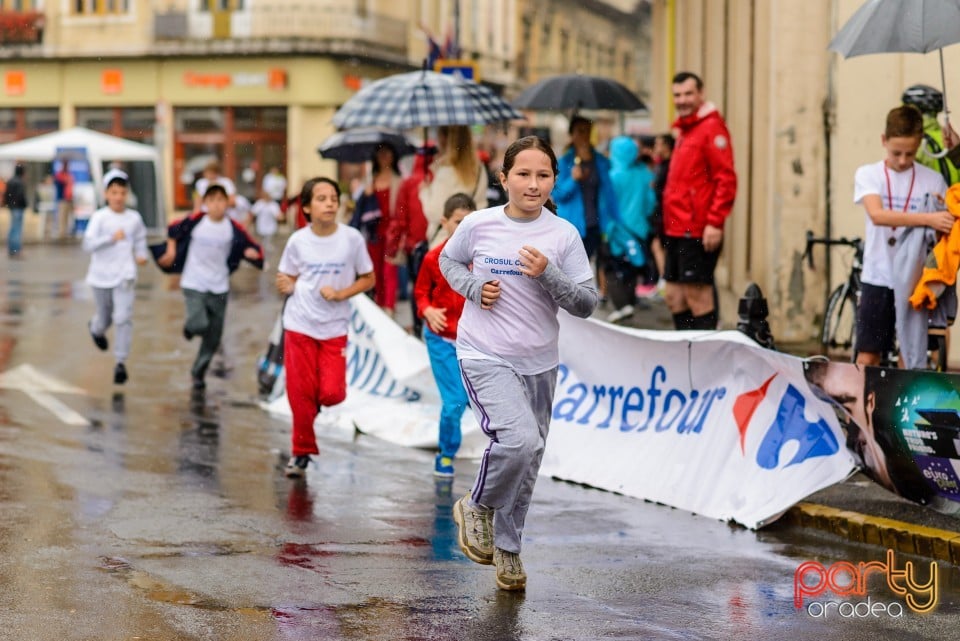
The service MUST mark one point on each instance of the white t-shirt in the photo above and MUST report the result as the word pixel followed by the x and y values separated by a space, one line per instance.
pixel 927 195
pixel 112 262
pixel 266 213
pixel 318 261
pixel 522 328
pixel 205 269
pixel 275 185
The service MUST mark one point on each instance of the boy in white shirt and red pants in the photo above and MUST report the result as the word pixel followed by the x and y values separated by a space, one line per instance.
pixel 322 267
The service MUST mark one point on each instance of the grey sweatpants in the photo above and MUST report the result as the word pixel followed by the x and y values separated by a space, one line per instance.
pixel 205 315
pixel 114 305
pixel 514 411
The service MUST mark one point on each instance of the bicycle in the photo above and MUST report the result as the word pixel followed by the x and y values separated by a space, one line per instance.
pixel 838 329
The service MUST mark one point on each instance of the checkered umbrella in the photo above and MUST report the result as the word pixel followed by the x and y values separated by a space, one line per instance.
pixel 423 99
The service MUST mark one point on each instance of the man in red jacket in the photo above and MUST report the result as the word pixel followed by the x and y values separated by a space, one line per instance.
pixel 697 198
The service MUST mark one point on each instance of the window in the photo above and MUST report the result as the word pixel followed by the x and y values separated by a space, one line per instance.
pixel 99 119
pixel 101 7
pixel 200 119
pixel 138 119
pixel 260 118
pixel 47 119
pixel 21 5
pixel 19 123
pixel 223 5
pixel 132 123
pixel 8 119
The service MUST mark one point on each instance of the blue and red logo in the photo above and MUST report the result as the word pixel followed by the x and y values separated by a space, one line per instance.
pixel 789 424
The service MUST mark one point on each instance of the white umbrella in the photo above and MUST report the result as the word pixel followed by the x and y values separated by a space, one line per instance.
pixel 901 26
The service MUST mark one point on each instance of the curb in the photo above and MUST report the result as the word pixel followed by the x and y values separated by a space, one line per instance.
pixel 934 543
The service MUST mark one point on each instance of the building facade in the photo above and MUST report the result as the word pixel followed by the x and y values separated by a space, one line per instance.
pixel 255 83
pixel 802 120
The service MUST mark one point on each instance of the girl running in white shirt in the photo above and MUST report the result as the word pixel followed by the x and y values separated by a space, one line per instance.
pixel 526 264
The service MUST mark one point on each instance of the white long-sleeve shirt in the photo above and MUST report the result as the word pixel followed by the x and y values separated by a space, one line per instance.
pixel 113 261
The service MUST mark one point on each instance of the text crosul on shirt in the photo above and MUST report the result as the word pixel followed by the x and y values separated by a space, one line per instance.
pixel 522 327
pixel 205 269
pixel 319 261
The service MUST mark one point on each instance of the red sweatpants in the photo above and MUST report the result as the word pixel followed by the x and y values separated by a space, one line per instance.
pixel 316 375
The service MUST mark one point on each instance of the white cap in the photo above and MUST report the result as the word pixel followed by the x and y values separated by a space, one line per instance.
pixel 114 174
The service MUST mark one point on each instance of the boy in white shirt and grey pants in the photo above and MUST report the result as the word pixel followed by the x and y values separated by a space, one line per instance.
pixel 116 240
pixel 206 247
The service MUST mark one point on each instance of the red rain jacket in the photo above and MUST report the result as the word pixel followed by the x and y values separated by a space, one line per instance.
pixel 408 225
pixel 702 184
pixel 432 290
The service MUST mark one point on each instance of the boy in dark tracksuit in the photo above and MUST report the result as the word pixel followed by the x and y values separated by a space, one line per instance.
pixel 205 248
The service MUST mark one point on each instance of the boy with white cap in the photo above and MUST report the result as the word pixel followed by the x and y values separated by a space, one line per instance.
pixel 116 239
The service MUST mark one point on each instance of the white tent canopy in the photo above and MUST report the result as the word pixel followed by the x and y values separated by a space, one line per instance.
pixel 100 148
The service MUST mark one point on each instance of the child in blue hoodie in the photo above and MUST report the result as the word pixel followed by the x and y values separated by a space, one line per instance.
pixel 628 235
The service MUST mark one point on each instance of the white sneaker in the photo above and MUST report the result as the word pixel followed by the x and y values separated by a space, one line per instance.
pixel 618 315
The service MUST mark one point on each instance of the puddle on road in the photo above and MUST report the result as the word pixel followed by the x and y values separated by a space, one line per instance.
pixel 153 588
pixel 163 592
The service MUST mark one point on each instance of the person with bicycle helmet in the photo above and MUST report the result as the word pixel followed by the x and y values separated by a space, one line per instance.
pixel 932 153
pixel 895 192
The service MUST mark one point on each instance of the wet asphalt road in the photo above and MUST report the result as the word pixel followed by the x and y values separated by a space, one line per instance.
pixel 142 513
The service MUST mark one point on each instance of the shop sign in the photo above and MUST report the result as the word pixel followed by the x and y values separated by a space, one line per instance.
pixel 272 79
pixel 15 83
pixel 111 81
pixel 464 69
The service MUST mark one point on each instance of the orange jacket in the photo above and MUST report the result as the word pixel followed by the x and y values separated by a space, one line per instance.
pixel 940 268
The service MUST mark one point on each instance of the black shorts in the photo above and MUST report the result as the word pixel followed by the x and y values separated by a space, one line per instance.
pixel 687 261
pixel 876 319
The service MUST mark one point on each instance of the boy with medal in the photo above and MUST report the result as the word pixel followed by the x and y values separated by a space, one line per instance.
pixel 896 192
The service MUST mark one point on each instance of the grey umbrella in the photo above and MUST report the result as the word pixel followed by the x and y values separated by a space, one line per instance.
pixel 577 91
pixel 901 26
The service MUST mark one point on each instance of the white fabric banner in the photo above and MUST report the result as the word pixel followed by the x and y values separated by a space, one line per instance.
pixel 703 421
pixel 391 393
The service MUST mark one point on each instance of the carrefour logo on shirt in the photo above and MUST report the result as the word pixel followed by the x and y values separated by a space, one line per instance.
pixel 494 263
pixel 322 269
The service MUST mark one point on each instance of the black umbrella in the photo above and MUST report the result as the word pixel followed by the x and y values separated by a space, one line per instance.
pixel 359 145
pixel 576 91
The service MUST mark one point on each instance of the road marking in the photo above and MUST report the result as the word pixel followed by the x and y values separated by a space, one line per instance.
pixel 58 408
pixel 41 387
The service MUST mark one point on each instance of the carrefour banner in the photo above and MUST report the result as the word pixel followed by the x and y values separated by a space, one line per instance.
pixel 708 422
pixel 391 393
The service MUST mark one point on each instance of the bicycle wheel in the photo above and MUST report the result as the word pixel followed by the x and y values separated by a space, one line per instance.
pixel 840 321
